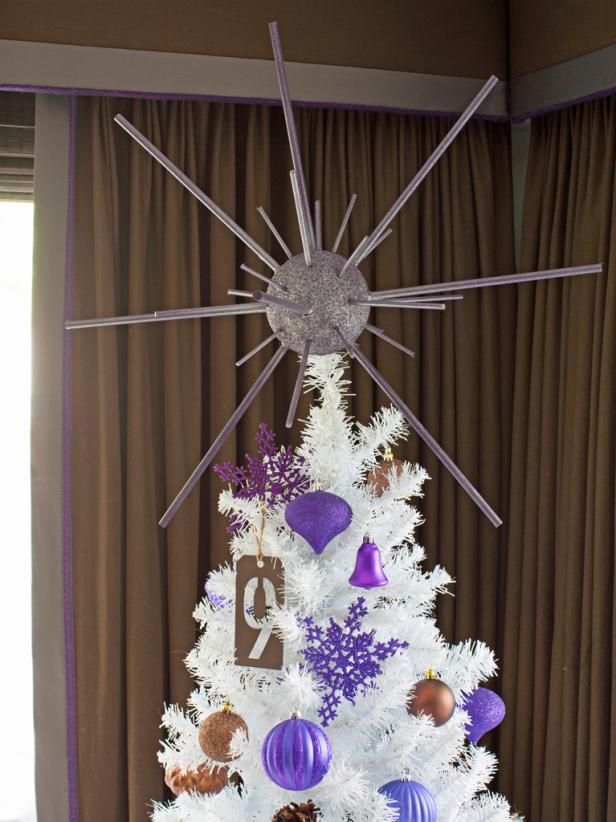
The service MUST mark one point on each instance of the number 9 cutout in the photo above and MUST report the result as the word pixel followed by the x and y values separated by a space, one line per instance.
pixel 259 585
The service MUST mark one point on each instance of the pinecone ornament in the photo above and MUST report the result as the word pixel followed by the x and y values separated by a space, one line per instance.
pixel 304 812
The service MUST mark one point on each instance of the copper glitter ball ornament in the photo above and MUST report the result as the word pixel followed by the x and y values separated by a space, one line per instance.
pixel 431 697
pixel 378 479
pixel 216 732
pixel 204 780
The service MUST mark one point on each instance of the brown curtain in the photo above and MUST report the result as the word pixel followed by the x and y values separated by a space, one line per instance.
pixel 560 739
pixel 148 399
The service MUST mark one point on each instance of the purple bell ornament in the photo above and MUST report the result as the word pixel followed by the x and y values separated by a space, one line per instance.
pixel 368 571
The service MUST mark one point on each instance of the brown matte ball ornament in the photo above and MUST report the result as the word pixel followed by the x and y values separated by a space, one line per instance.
pixel 378 479
pixel 203 780
pixel 216 732
pixel 431 697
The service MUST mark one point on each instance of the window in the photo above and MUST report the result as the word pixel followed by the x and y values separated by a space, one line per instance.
pixel 17 749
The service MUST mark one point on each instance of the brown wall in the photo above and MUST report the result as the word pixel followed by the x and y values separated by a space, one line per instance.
pixel 464 38
pixel 546 32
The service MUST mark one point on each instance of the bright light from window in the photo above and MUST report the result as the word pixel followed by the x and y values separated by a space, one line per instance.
pixel 17 748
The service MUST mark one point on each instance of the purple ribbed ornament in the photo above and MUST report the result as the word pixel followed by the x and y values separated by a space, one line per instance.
pixel 318 517
pixel 486 710
pixel 412 800
pixel 296 754
pixel 219 601
pixel 216 600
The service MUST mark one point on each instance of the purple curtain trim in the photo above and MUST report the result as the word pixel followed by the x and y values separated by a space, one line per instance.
pixel 259 101
pixel 597 95
pixel 145 95
pixel 67 548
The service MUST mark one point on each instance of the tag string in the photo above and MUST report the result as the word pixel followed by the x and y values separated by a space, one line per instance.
pixel 260 531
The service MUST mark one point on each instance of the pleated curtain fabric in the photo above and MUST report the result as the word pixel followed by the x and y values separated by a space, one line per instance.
pixel 149 399
pixel 559 741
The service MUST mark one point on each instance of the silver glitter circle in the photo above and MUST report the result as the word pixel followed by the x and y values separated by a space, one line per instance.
pixel 326 292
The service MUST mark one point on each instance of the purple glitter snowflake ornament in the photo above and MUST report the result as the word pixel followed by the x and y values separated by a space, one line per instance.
pixel 274 476
pixel 345 660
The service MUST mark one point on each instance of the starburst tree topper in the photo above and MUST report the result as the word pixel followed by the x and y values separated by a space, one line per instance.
pixel 318 302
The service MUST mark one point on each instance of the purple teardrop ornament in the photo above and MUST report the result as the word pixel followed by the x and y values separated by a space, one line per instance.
pixel 318 517
pixel 485 710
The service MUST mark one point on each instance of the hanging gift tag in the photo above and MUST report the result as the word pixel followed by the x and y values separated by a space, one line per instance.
pixel 259 585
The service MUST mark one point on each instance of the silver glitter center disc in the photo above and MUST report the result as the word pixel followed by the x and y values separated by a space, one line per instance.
pixel 321 288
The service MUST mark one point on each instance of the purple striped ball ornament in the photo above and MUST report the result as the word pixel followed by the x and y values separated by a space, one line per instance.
pixel 412 800
pixel 296 754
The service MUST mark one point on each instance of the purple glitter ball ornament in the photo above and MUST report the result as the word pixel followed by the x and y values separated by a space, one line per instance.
pixel 412 800
pixel 486 710
pixel 318 517
pixel 296 754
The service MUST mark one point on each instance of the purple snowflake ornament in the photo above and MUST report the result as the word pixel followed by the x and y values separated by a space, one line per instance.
pixel 345 660
pixel 275 475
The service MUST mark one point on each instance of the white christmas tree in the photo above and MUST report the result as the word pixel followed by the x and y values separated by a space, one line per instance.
pixel 374 738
